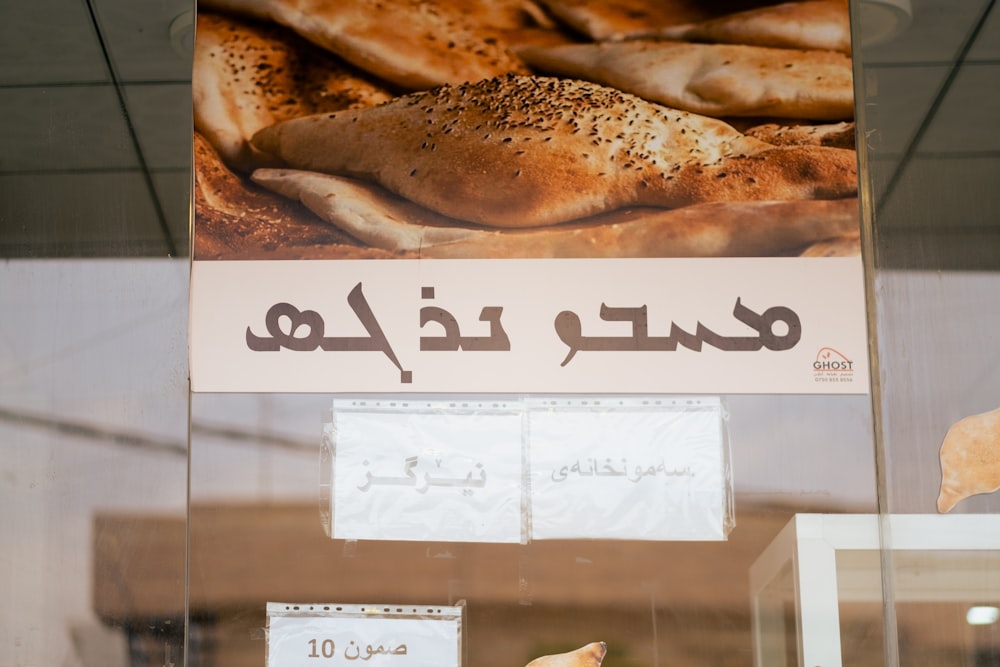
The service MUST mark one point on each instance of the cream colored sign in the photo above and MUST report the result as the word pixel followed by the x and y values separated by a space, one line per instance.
pixel 775 325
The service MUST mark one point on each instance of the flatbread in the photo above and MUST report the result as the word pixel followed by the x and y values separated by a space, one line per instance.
pixel 602 20
pixel 814 24
pixel 845 245
pixel 837 135
pixel 717 229
pixel 712 79
pixel 590 655
pixel 248 75
pixel 616 19
pixel 970 459
pixel 412 44
pixel 240 221
pixel 531 151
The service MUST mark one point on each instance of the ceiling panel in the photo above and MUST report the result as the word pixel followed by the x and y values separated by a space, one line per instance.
pixel 138 35
pixel 935 192
pixel 987 46
pixel 162 117
pixel 107 214
pixel 49 42
pixel 967 119
pixel 63 128
pixel 173 187
pixel 938 249
pixel 935 35
pixel 896 103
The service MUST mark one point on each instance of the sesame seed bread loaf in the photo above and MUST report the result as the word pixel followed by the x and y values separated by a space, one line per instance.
pixel 248 75
pixel 521 151
pixel 413 44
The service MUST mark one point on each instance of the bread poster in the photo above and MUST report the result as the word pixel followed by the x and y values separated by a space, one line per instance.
pixel 481 196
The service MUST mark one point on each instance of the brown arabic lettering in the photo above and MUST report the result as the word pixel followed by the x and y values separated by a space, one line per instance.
pixel 452 340
pixel 310 321
pixel 570 331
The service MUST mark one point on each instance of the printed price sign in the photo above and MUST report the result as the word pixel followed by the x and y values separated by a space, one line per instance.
pixel 313 635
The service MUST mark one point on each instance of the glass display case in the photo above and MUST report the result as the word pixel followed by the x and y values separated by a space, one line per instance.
pixel 820 564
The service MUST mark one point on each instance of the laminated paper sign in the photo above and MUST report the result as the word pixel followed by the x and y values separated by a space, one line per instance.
pixel 426 470
pixel 472 214
pixel 636 468
pixel 343 635
pixel 630 469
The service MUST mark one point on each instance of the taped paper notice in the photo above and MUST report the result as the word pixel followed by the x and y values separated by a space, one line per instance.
pixel 514 470
pixel 446 471
pixel 298 635
pixel 638 469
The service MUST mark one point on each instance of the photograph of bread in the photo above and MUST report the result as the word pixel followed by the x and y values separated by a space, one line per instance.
pixel 970 459
pixel 518 129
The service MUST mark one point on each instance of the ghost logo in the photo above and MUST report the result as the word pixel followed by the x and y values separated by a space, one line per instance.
pixel 832 366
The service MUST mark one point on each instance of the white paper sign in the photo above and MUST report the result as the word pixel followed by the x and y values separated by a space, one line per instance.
pixel 641 469
pixel 427 470
pixel 638 468
pixel 307 635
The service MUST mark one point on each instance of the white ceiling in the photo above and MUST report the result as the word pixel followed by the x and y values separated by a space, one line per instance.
pixel 95 124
